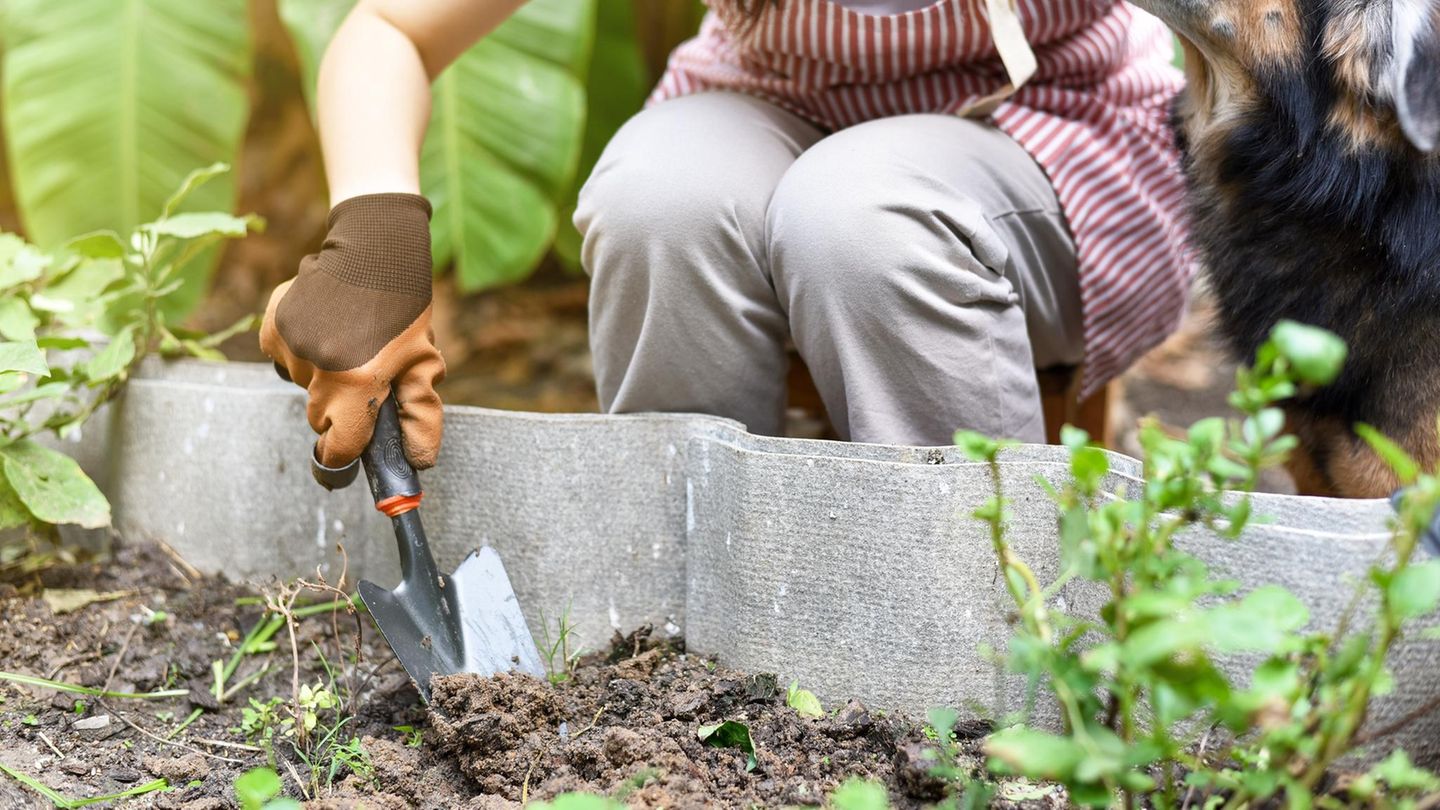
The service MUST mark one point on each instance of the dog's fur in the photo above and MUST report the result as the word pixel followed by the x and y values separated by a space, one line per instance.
pixel 1307 130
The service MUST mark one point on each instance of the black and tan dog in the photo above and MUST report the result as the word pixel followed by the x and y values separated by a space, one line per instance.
pixel 1308 129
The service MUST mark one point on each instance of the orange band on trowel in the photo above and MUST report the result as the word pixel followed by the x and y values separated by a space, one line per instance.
pixel 399 504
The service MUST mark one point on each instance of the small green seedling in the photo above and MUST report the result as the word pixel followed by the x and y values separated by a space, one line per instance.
pixel 860 794
pixel 413 736
pixel 640 779
pixel 259 789
pixel 803 701
pixel 30 720
pixel 730 734
pixel 560 660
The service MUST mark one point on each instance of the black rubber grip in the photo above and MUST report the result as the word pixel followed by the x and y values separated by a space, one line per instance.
pixel 386 468
pixel 333 478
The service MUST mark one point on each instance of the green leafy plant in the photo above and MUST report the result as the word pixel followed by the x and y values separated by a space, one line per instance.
pixel 259 789
pixel 74 323
pixel 261 721
pixel 153 88
pixel 414 737
pixel 1138 686
pixel 966 791
pixel 803 701
pixel 730 734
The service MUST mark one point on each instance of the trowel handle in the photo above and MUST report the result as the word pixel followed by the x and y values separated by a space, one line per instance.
pixel 392 480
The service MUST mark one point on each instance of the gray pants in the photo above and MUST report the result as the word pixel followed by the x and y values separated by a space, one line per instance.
pixel 920 265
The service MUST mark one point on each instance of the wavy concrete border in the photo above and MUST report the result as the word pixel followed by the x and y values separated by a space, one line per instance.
pixel 850 567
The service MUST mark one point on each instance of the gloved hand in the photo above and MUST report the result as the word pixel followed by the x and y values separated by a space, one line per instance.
pixel 355 325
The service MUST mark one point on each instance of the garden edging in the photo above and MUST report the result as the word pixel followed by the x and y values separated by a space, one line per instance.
pixel 854 568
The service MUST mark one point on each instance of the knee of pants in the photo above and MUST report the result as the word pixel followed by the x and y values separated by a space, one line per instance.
pixel 851 234
pixel 662 195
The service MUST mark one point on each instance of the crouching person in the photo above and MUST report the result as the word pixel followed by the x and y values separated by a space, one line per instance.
pixel 928 199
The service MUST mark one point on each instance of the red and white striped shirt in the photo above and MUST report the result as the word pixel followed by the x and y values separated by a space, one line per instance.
pixel 1095 117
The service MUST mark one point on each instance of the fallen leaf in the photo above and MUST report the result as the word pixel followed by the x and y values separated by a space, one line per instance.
pixel 69 600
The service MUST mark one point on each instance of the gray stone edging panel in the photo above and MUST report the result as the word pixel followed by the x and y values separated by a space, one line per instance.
pixel 854 568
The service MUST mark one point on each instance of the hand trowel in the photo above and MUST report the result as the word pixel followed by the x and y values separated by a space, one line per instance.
pixel 469 621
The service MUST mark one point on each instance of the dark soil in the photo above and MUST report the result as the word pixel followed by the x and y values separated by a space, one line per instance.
pixel 623 724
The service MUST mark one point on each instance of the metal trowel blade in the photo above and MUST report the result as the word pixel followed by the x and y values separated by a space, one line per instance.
pixel 477 628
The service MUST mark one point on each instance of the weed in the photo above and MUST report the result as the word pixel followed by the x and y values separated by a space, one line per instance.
pixel 1143 701
pixel 730 734
pixel 560 660
pixel 414 737
pixel 803 701
pixel 260 722
pixel 259 789
pixel 30 720
pixel 966 791
pixel 640 779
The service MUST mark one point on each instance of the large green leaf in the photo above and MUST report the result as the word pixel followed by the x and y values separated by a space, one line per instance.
pixel 109 104
pixel 12 510
pixel 53 487
pixel 504 137
pixel 616 89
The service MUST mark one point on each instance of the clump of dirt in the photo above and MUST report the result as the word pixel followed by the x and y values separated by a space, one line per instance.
pixel 628 727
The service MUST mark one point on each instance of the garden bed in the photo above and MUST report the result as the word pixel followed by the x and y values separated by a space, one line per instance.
pixel 623 723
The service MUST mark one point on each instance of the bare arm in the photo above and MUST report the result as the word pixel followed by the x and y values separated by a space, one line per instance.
pixel 374 86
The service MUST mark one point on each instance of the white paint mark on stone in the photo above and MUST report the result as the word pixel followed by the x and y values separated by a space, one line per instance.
pixel 187 447
pixel 655 550
pixel 689 506
pixel 208 405
pixel 203 430
pixel 338 526
pixel 777 604
pixel 320 527
pixel 180 529
pixel 671 628
pixel 614 616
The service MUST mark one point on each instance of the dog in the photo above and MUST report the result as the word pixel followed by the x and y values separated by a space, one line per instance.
pixel 1307 131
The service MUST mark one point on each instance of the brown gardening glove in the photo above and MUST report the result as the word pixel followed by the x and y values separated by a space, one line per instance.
pixel 355 325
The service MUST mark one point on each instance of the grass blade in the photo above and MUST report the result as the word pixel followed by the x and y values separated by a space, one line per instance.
pixel 46 683
pixel 35 785
pixel 138 790
pixel 66 803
